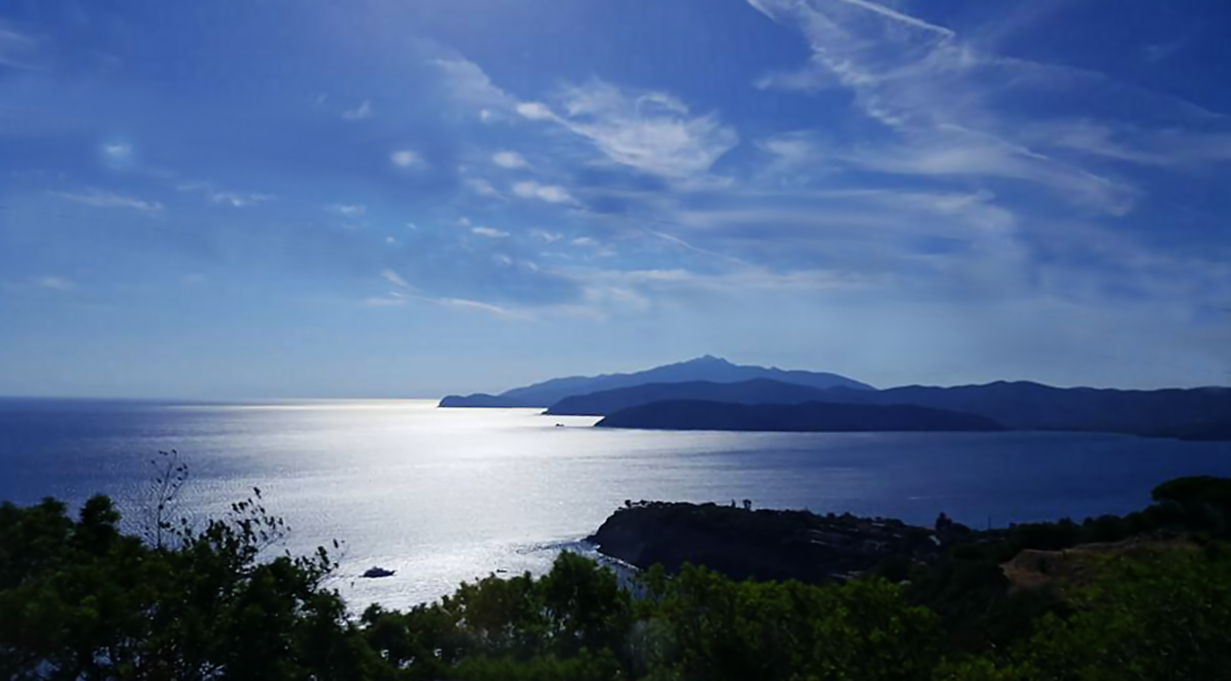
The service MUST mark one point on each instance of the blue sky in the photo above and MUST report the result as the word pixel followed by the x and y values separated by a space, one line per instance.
pixel 379 198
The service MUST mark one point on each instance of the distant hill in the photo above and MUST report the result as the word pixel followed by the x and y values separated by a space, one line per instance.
pixel 707 368
pixel 1215 430
pixel 1213 433
pixel 482 400
pixel 756 391
pixel 1032 406
pixel 811 417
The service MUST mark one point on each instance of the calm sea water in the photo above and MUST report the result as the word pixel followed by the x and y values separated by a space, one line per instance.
pixel 449 495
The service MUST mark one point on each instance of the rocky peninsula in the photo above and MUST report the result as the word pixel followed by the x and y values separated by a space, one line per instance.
pixel 762 544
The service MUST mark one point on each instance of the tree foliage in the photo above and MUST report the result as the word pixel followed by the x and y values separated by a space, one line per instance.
pixel 81 600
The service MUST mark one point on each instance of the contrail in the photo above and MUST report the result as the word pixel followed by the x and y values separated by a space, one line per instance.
pixel 898 16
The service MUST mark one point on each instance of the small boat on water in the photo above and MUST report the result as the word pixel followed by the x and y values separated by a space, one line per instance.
pixel 375 572
pixel 559 425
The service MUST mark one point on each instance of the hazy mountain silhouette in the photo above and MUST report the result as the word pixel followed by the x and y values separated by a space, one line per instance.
pixel 756 391
pixel 806 417
pixel 707 368
pixel 1023 405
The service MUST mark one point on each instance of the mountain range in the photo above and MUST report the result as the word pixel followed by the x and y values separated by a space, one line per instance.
pixel 707 368
pixel 1195 413
pixel 756 391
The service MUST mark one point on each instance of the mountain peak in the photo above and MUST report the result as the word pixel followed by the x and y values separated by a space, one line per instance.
pixel 706 359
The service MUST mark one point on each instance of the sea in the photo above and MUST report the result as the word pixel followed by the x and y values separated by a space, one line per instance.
pixel 443 496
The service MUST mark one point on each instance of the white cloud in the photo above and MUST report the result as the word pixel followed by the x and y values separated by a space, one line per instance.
pixel 399 298
pixel 545 236
pixel 235 199
pixel 391 241
pixel 494 310
pixel 734 282
pixel 595 246
pixel 548 193
pixel 535 111
pixel 392 299
pixel 405 158
pixel 480 186
pixel 394 278
pixel 502 259
pixel 118 151
pixel 105 199
pixel 949 109
pixel 360 112
pixel 54 283
pixel 468 84
pixel 652 132
pixel 509 159
pixel 349 210
pixel 238 200
pixel 489 232
pixel 1165 148
pixel 791 148
pixel 899 17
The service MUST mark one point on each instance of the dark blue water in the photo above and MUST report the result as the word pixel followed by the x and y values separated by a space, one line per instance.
pixel 447 495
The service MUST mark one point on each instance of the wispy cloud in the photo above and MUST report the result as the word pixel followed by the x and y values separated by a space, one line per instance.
pixel 466 82
pixel 226 197
pixel 392 299
pixel 401 298
pixel 544 192
pixel 489 232
pixel 53 283
pixel 494 310
pixel 405 158
pixel 394 278
pixel 106 199
pixel 1157 52
pixel 118 151
pixel 509 159
pixel 364 110
pixel 17 50
pixel 899 17
pixel 950 109
pixel 653 132
pixel 240 200
pixel 535 111
pixel 1167 148
pixel 350 210
pixel 480 186
pixel 546 236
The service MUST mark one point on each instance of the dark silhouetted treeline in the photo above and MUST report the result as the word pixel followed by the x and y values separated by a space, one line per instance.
pixel 1150 600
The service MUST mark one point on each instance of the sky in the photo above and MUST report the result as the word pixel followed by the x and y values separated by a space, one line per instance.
pixel 378 198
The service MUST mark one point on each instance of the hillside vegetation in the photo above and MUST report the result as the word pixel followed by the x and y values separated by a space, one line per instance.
pixel 79 599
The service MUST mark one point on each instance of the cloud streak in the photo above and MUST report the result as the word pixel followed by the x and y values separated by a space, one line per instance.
pixel 653 132
pixel 364 110
pixel 106 199
pixel 350 210
pixel 949 111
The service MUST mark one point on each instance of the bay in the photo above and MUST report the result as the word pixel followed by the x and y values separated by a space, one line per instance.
pixel 445 495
